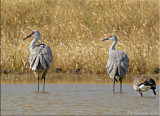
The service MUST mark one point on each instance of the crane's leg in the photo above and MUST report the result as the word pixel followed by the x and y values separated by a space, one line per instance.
pixel 120 79
pixel 44 84
pixel 43 77
pixel 37 75
pixel 141 93
pixel 38 80
pixel 113 84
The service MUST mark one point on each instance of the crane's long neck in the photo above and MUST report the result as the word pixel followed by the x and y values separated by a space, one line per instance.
pixel 32 44
pixel 112 48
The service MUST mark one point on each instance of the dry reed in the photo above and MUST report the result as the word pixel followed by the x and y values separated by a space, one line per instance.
pixel 73 29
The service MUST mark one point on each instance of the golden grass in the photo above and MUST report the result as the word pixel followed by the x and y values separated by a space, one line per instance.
pixel 73 29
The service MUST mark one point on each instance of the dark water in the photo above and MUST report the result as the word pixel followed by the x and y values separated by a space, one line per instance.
pixel 76 99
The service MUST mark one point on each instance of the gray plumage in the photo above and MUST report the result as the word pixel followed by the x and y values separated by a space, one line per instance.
pixel 118 62
pixel 40 58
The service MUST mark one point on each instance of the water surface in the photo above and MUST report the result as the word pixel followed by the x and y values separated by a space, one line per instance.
pixel 76 99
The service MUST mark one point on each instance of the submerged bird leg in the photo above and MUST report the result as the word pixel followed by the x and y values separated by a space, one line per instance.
pixel 44 84
pixel 113 84
pixel 120 79
pixel 43 77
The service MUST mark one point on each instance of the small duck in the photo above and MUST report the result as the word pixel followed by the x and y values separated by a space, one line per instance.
pixel 144 83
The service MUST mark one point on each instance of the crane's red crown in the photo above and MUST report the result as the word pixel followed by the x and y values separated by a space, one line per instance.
pixel 33 32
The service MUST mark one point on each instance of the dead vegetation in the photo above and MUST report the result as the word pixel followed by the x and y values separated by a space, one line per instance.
pixel 73 29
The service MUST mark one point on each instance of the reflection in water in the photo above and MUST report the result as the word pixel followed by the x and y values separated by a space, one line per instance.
pixel 71 99
pixel 62 79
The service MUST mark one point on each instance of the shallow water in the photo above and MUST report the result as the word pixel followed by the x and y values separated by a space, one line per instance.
pixel 76 99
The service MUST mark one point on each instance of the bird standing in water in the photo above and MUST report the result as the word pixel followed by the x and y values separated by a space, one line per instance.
pixel 118 62
pixel 40 58
pixel 144 83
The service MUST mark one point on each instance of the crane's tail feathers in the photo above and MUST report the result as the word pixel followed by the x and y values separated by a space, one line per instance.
pixel 35 64
pixel 43 61
pixel 125 65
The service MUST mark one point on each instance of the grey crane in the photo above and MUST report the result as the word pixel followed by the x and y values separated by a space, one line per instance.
pixel 144 83
pixel 118 62
pixel 40 58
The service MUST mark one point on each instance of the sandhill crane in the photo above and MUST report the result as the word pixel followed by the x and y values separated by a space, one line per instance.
pixel 144 83
pixel 40 58
pixel 118 62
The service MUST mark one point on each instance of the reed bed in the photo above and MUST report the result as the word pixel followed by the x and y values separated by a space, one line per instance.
pixel 73 29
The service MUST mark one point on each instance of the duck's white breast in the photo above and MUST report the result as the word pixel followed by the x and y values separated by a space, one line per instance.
pixel 144 87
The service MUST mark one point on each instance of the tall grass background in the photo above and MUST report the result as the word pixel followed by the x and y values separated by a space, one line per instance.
pixel 73 29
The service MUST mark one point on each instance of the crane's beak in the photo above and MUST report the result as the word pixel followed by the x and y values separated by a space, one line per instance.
pixel 105 39
pixel 28 36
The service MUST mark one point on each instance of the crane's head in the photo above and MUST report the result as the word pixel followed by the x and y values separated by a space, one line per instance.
pixel 112 37
pixel 34 33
